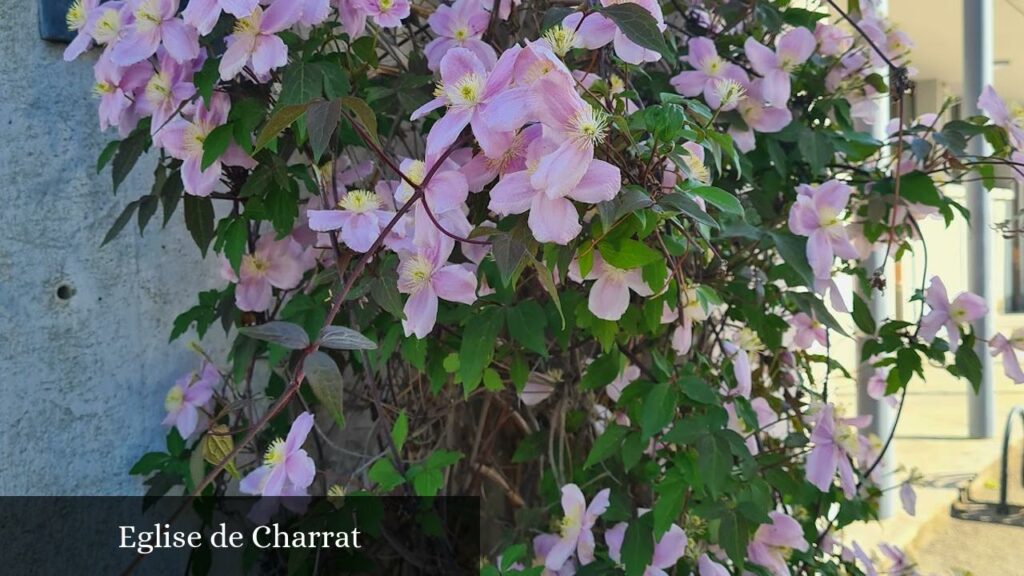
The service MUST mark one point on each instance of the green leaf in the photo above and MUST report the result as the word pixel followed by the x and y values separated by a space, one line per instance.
pixel 150 462
pixel 510 250
pixel 478 346
pixel 286 334
pixel 793 250
pixel 719 198
pixel 639 26
pixel 601 371
pixel 236 236
pixel 606 445
pixel 341 338
pixel 628 254
pixel 206 79
pixel 199 221
pixel 698 390
pixel 106 155
pixel 279 120
pixel 301 82
pixel 322 120
pixel 325 379
pixel 658 409
pixel 526 322
pixel 364 114
pixel 638 544
pixel 383 474
pixel 128 153
pixel 400 431
pixel 862 316
pixel 968 365
pixel 121 221
pixel 547 280
pixel 714 457
pixel 732 537
pixel 216 143
pixel 816 148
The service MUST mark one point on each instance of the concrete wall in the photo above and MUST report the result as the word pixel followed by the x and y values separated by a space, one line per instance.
pixel 82 379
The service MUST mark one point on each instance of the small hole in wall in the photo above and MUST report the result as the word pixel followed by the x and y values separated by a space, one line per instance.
pixel 65 291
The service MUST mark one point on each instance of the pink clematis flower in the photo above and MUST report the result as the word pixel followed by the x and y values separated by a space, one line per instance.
pixel 711 76
pixel 552 218
pixel 287 469
pixel 204 14
pixel 184 140
pixel 836 441
pixel 466 88
pixel 577 527
pixel 81 18
pixel 167 89
pixel 426 276
pixel 576 125
pixel 807 331
pixel 609 296
pixel 542 546
pixel 116 88
pixel 254 41
pixel 188 395
pixel 815 214
pixel 1001 345
pixel 352 14
pixel 833 40
pixel 966 308
pixel 693 311
pixel 155 24
pixel 1011 120
pixel 387 13
pixel 773 541
pixel 596 30
pixel 535 391
pixel 667 551
pixel 708 567
pixel 446 191
pixel 360 218
pixel 791 50
pixel 460 25
pixel 274 264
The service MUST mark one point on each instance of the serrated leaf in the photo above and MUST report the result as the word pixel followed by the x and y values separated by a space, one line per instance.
pixel 342 338
pixel 477 347
pixel 325 379
pixel 286 334
pixel 364 114
pixel 383 474
pixel 639 26
pixel 121 221
pixel 719 198
pixel 199 220
pixel 321 121
pixel 206 78
pixel 279 120
pixel 628 254
pixel 638 546
pixel 526 322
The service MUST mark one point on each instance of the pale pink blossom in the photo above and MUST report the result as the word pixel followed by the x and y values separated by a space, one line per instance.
pixel 773 541
pixel 836 442
pixel 576 534
pixel 204 14
pixel 792 49
pixel 254 41
pixel 965 308
pixel 816 214
pixel 275 264
pixel 184 139
pixel 710 71
pixel 287 469
pixel 806 330
pixel 81 18
pixel 387 13
pixel 627 376
pixel 155 23
pixel 1001 114
pixel 427 276
pixel 460 25
pixel 1007 347
pixel 117 87
pixel 596 31
pixel 360 217
pixel 553 218
pixel 609 295
pixel 189 395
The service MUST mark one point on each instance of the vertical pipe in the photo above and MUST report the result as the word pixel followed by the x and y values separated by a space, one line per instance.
pixel 977 74
pixel 882 415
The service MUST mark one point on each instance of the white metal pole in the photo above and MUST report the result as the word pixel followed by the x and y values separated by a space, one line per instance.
pixel 882 415
pixel 978 55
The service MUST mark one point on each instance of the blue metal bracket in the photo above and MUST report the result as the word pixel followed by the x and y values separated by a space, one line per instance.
pixel 1002 507
pixel 53 20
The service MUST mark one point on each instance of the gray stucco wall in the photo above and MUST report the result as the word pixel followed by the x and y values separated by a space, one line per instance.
pixel 82 380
